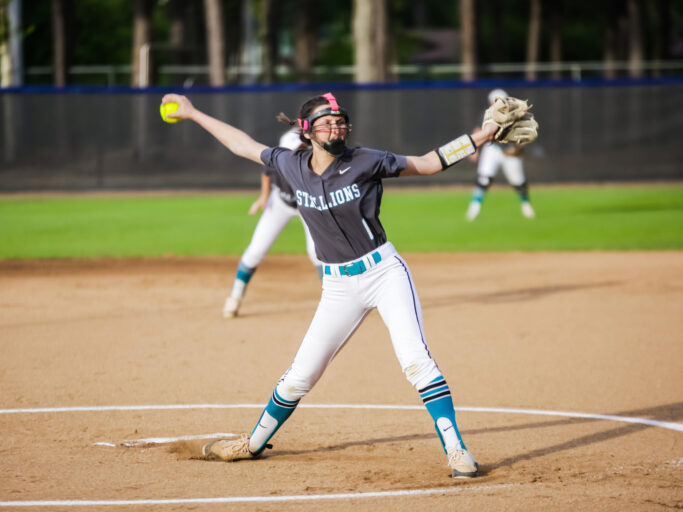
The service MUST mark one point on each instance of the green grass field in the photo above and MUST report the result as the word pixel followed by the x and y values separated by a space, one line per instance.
pixel 568 219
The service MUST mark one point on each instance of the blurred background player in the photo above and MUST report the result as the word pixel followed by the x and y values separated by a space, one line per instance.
pixel 279 207
pixel 490 157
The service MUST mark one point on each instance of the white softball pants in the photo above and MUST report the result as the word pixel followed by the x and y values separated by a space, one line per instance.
pixel 345 302
pixel 275 217
pixel 492 157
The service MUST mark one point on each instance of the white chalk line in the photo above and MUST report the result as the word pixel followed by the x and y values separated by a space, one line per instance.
pixel 252 499
pixel 262 499
pixel 163 440
pixel 608 417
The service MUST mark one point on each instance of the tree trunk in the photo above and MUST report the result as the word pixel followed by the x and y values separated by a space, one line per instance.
pixel 140 57
pixel 616 36
pixel 635 40
pixel 176 33
pixel 179 19
pixel 5 61
pixel 382 40
pixel 59 52
pixel 215 41
pixel 468 31
pixel 533 40
pixel 250 57
pixel 305 44
pixel 371 35
pixel 610 40
pixel 556 38
pixel 268 39
pixel 11 44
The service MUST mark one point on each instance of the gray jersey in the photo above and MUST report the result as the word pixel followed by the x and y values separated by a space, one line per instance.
pixel 283 189
pixel 341 207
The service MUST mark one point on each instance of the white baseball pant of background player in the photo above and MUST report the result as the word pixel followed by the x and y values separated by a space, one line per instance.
pixel 493 156
pixel 276 215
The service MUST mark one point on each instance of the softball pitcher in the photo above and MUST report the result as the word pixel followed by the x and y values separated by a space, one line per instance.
pixel 279 207
pixel 490 158
pixel 338 191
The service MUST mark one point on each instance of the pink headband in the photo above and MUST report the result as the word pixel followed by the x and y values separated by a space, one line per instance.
pixel 334 110
pixel 332 100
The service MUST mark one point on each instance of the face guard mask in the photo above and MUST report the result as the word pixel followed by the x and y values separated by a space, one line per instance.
pixel 334 147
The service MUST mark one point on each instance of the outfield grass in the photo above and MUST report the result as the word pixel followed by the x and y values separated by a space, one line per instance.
pixel 571 218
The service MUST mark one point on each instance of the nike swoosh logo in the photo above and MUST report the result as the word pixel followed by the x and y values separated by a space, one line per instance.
pixel 342 171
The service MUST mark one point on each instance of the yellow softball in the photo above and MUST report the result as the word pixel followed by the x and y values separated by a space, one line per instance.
pixel 168 108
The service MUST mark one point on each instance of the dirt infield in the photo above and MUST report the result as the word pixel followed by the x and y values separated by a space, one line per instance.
pixel 583 333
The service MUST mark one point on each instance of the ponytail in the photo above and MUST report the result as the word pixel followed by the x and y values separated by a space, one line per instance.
pixel 283 118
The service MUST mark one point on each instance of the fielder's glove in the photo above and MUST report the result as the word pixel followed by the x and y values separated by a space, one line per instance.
pixel 514 121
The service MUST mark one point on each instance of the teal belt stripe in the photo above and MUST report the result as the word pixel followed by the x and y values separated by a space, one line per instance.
pixel 355 268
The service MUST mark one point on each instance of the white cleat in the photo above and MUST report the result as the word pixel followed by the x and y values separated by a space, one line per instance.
pixel 473 210
pixel 463 464
pixel 227 449
pixel 231 307
pixel 528 211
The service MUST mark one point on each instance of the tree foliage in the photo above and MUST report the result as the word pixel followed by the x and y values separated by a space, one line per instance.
pixel 102 31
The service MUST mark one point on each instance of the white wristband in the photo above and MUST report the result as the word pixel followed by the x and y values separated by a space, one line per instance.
pixel 455 150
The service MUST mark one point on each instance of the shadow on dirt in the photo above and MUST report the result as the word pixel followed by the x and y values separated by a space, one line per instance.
pixel 522 294
pixel 669 413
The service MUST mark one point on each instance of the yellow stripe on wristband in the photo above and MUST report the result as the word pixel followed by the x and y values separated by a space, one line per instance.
pixel 455 150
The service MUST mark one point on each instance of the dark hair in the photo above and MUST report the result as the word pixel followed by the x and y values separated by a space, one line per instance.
pixel 310 105
pixel 306 109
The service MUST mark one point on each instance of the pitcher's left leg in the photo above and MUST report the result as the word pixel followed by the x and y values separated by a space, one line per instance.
pixel 399 306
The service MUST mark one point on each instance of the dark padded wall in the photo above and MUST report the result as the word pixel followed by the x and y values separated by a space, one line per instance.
pixel 69 141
